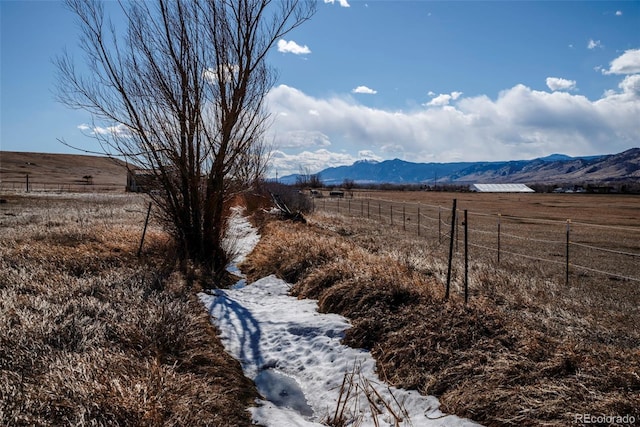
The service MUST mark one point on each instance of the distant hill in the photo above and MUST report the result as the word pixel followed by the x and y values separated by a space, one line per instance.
pixel 71 169
pixel 556 168
pixel 50 170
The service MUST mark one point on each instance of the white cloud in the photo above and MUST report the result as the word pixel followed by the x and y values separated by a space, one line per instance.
pixel 627 63
pixel 292 47
pixel 631 86
pixel 312 161
pixel 519 123
pixel 442 99
pixel 556 83
pixel 228 72
pixel 618 13
pixel 301 139
pixel 117 131
pixel 343 3
pixel 629 91
pixel 365 90
pixel 592 44
pixel 369 155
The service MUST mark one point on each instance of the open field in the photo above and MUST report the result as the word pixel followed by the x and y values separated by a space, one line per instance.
pixel 600 300
pixel 90 334
pixel 608 209
pixel 60 172
pixel 88 331
pixel 604 230
pixel 525 350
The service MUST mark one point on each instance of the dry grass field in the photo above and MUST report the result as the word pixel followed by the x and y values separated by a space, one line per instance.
pixel 528 349
pixel 90 334
pixel 60 172
pixel 530 229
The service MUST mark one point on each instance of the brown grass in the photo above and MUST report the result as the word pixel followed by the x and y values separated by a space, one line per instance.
pixel 92 335
pixel 521 353
pixel 61 172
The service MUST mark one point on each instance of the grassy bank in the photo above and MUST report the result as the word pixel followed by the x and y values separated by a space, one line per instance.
pixel 90 334
pixel 521 353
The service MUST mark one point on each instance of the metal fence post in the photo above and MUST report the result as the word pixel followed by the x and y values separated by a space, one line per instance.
pixel 404 219
pixel 466 258
pixel 499 217
pixel 453 230
pixel 566 278
pixel 144 231
pixel 439 225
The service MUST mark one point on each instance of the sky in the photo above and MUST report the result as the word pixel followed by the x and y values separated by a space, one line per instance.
pixel 422 81
pixel 294 355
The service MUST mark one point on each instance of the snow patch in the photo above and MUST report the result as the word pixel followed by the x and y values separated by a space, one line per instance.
pixel 295 357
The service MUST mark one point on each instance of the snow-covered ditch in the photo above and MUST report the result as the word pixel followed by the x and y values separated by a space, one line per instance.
pixel 294 355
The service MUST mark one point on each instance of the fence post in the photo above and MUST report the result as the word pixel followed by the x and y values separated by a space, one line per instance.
pixel 566 278
pixel 418 220
pixel 453 230
pixel 391 212
pixel 466 257
pixel 368 211
pixel 457 235
pixel 439 225
pixel 144 231
pixel 499 217
pixel 404 219
pixel 27 183
pixel 361 208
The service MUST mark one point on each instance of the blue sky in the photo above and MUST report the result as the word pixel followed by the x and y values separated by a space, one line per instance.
pixel 418 80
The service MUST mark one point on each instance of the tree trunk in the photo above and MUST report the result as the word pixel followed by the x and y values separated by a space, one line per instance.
pixel 214 255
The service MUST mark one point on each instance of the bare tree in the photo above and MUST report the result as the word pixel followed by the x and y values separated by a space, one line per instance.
pixel 181 94
pixel 306 179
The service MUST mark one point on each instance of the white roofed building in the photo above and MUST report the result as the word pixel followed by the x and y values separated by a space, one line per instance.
pixel 501 188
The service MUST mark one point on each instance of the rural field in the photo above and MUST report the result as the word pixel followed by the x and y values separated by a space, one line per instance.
pixel 603 240
pixel 93 334
pixel 60 172
pixel 568 347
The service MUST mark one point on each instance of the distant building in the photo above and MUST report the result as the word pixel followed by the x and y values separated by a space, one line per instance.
pixel 501 188
pixel 141 181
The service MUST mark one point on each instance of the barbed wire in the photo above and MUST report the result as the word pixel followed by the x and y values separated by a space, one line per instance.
pixel 499 217
pixel 612 227
pixel 505 216
pixel 605 250
pixel 531 239
pixel 593 270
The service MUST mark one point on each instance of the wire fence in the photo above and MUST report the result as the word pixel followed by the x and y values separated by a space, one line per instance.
pixel 29 186
pixel 568 250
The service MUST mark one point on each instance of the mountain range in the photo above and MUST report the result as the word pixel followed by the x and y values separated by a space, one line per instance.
pixel 553 169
